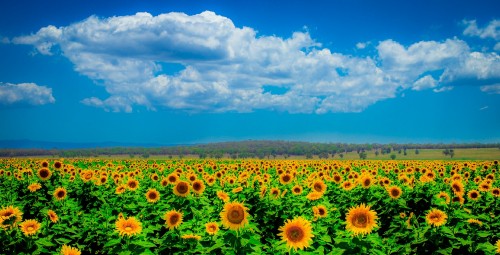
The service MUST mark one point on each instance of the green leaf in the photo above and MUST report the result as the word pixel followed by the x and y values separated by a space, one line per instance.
pixel 44 242
pixel 445 251
pixel 63 240
pixel 144 244
pixel 112 242
pixel 483 234
pixel 125 253
pixel 326 238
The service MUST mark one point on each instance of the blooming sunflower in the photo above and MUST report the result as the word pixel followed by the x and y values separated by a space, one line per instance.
pixel 436 217
pixel 366 181
pixel 348 185
pixel 497 244
pixel 297 233
pixel 132 184
pixel 223 196
pixel 275 192
pixel 60 193
pixel 44 173
pixel 198 187
pixel 34 187
pixel 394 192
pixel 173 178
pixel 473 195
pixel 297 190
pixel 286 178
pixel 130 226
pixel 314 196
pixel 212 228
pixel 458 188
pixel 152 195
pixel 191 237
pixel 173 219
pixel 319 186
pixel 236 190
pixel 495 192
pixel 30 227
pixel 475 221
pixel 52 216
pixel 10 216
pixel 361 220
pixel 444 195
pixel 234 215
pixel 181 189
pixel 68 250
pixel 320 211
pixel 121 189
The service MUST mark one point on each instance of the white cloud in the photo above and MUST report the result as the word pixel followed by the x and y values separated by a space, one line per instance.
pixel 491 89
pixel 442 89
pixel 25 93
pixel 226 67
pixel 483 108
pixel 360 45
pixel 492 30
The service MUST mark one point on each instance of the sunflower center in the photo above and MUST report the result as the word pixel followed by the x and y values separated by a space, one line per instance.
pixel 152 195
pixel 321 211
pixel 367 182
pixel 182 188
pixel 318 187
pixel 44 174
pixel 196 186
pixel 60 194
pixel 236 215
pixel 295 234
pixel 132 185
pixel 174 219
pixel 395 192
pixel 286 178
pixel 361 221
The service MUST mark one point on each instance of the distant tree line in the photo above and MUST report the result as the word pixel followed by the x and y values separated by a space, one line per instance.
pixel 248 149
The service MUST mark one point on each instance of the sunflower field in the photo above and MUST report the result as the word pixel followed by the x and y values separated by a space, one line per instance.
pixel 112 206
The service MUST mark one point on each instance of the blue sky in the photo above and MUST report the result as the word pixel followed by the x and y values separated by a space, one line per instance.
pixel 171 72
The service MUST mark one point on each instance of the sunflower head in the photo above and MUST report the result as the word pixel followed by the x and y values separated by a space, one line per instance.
pixel 286 178
pixel 394 192
pixel 68 250
pixel 223 196
pixel 52 216
pixel 181 189
pixel 130 226
pixel 44 173
pixel 198 186
pixel 30 227
pixel 212 228
pixel 473 195
pixel 234 216
pixel 361 220
pixel 173 219
pixel 132 184
pixel 436 217
pixel 152 195
pixel 297 190
pixel 320 211
pixel 60 193
pixel 318 186
pixel 10 216
pixel 34 187
pixel 297 233
pixel 366 181
pixel 191 237
pixel 314 196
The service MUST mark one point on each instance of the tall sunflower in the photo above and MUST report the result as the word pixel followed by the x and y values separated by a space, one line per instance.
pixel 297 233
pixel 436 217
pixel 198 187
pixel 60 193
pixel 361 220
pixel 52 216
pixel 473 195
pixel 173 219
pixel 30 227
pixel 458 188
pixel 181 189
pixel 297 190
pixel 366 181
pixel 68 250
pixel 318 186
pixel 130 226
pixel 286 178
pixel 44 173
pixel 212 228
pixel 394 192
pixel 132 184
pixel 234 216
pixel 10 216
pixel 152 195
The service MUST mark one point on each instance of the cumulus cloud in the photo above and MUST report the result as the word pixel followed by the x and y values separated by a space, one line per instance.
pixel 25 93
pixel 492 30
pixel 226 67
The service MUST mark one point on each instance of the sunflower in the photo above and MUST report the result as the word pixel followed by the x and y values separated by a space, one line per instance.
pixel 319 186
pixel 30 227
pixel 458 188
pixel 223 196
pixel 314 196
pixel 191 237
pixel 236 190
pixel 348 185
pixel 366 181
pixel 120 189
pixel 473 195
pixel 495 192
pixel 130 226
pixel 436 217
pixel 52 216
pixel 394 192
pixel 297 233
pixel 285 178
pixel 475 221
pixel 198 187
pixel 212 228
pixel 10 216
pixel 297 190
pixel 60 193
pixel 164 182
pixel 34 187
pixel 320 211
pixel 44 173
pixel 173 219
pixel 337 178
pixel 68 250
pixel 234 215
pixel 444 195
pixel 132 184
pixel 458 199
pixel 497 244
pixel 173 178
pixel 361 220
pixel 58 165
pixel 181 189
pixel 152 195
pixel 275 192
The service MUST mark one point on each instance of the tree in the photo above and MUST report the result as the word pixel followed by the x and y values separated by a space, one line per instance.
pixel 417 152
pixel 341 155
pixel 393 156
pixel 362 155
pixel 376 153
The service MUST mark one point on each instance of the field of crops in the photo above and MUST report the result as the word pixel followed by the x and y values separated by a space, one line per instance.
pixel 98 206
